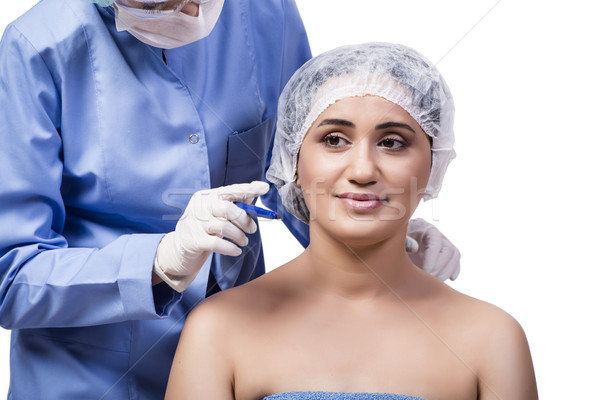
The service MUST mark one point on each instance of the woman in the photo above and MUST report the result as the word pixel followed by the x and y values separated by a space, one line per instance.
pixel 364 133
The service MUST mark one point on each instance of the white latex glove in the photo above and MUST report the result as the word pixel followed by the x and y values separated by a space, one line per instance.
pixel 434 253
pixel 209 218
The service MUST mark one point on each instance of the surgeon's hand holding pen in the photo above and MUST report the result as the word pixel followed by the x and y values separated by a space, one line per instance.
pixel 211 222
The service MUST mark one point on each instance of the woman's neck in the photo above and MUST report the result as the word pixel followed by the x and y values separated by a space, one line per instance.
pixel 357 271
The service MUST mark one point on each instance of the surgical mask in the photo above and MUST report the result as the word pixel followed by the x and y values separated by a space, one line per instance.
pixel 172 30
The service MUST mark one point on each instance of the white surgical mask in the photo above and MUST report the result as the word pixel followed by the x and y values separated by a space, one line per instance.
pixel 174 30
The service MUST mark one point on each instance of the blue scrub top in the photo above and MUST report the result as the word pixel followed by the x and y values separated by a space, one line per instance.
pixel 103 141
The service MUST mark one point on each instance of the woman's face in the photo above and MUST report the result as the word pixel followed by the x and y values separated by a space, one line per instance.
pixel 363 167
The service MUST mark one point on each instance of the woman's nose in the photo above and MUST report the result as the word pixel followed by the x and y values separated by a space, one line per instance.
pixel 362 168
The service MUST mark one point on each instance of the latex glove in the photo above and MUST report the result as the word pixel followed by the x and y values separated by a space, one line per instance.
pixel 435 254
pixel 208 220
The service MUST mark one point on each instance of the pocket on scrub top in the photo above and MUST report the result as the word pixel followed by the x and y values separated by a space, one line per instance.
pixel 247 153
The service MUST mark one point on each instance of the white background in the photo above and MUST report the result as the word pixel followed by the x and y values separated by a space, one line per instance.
pixel 521 200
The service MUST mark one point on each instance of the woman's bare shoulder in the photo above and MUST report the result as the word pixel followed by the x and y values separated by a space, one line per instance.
pixel 494 344
pixel 482 313
pixel 216 337
pixel 242 303
pixel 478 317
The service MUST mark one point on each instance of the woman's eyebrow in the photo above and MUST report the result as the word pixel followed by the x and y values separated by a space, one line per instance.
pixel 391 124
pixel 337 121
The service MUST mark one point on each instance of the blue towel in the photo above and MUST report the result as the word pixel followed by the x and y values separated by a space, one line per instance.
pixel 338 396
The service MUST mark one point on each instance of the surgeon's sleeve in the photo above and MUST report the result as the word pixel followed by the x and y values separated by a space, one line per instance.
pixel 43 281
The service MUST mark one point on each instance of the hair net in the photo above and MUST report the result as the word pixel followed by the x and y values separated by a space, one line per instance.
pixel 395 72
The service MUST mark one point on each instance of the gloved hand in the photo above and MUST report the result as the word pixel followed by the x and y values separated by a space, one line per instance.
pixel 208 219
pixel 435 254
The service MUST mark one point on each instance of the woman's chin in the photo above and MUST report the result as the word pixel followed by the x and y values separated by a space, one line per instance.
pixel 358 230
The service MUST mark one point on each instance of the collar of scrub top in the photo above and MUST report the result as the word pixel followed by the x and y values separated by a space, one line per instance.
pixel 140 3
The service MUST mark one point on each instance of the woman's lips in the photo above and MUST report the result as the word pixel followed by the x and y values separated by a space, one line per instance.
pixel 360 201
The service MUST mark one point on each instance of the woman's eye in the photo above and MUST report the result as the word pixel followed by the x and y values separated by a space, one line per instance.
pixel 334 141
pixel 392 143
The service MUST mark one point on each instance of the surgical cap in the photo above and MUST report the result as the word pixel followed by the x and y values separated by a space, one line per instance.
pixel 394 72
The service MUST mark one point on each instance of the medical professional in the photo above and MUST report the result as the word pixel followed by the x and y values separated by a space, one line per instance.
pixel 128 129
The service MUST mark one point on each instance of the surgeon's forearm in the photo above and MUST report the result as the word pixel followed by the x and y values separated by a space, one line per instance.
pixel 112 280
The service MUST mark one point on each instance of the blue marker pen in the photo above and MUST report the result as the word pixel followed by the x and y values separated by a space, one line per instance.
pixel 255 211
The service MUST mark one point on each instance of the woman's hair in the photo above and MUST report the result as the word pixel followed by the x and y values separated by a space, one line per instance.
pixel 392 71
